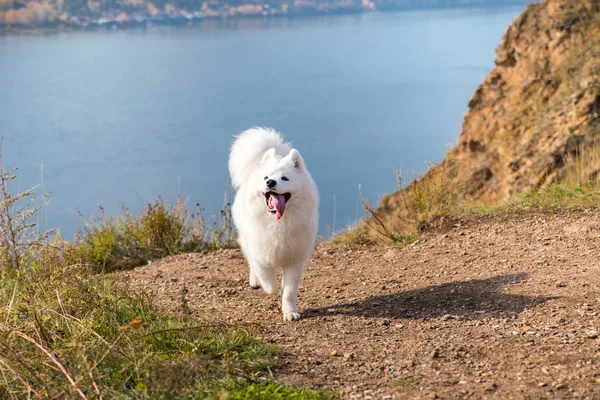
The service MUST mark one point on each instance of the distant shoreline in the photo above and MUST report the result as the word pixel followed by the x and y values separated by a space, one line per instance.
pixel 193 21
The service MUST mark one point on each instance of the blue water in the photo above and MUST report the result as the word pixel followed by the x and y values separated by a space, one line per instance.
pixel 117 118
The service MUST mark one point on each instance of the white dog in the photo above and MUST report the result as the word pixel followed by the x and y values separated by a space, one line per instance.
pixel 275 211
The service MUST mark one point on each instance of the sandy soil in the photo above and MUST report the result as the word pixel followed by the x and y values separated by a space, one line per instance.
pixel 501 306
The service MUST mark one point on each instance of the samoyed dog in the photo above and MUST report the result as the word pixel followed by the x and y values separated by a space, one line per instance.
pixel 276 211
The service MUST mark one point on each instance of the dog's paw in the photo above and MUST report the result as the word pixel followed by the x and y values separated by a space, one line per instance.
pixel 292 316
pixel 254 285
pixel 269 289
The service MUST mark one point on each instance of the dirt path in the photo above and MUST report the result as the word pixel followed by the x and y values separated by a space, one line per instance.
pixel 494 307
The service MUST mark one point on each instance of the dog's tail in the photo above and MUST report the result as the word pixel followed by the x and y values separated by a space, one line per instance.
pixel 248 149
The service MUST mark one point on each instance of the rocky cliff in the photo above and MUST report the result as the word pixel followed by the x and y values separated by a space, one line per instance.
pixel 539 106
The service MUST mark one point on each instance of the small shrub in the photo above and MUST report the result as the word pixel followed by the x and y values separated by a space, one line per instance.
pixel 352 236
pixel 127 241
pixel 18 236
pixel 436 193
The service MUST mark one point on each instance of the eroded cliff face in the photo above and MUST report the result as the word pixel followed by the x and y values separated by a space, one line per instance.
pixel 538 105
pixel 536 108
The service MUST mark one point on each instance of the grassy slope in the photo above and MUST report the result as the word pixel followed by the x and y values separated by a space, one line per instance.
pixel 69 333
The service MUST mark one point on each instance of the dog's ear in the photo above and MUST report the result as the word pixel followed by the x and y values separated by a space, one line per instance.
pixel 296 158
pixel 268 154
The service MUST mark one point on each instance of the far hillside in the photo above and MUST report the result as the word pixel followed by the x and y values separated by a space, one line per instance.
pixel 15 14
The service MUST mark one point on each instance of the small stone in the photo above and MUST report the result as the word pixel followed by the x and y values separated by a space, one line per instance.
pixel 348 356
pixel 577 228
pixel 435 354
pixel 390 254
pixel 385 322
pixel 447 317
pixel 490 387
pixel 333 353
pixel 561 386
pixel 559 284
pixel 591 334
pixel 542 384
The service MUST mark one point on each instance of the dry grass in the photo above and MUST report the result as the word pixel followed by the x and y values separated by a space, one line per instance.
pixel 582 169
pixel 439 194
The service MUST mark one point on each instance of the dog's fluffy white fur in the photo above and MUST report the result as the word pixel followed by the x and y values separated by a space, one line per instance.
pixel 275 211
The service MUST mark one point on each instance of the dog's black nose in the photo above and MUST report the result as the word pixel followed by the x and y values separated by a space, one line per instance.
pixel 271 183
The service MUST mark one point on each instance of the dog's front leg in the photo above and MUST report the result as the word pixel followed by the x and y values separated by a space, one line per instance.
pixel 292 276
pixel 254 283
pixel 266 276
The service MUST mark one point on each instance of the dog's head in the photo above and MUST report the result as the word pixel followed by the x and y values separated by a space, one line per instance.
pixel 280 179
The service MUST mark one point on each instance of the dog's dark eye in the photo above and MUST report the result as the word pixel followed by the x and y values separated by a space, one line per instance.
pixel 266 177
pixel 283 178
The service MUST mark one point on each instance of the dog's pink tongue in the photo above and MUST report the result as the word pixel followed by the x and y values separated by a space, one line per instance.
pixel 279 205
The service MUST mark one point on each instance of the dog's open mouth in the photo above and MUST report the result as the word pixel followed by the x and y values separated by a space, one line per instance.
pixel 276 203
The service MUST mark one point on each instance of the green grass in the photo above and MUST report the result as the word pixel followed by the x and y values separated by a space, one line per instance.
pixel 275 392
pixel 557 196
pixel 111 341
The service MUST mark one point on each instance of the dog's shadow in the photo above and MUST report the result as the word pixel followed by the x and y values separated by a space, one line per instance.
pixel 474 299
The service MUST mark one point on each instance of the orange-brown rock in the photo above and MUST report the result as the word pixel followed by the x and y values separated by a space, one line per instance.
pixel 539 106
